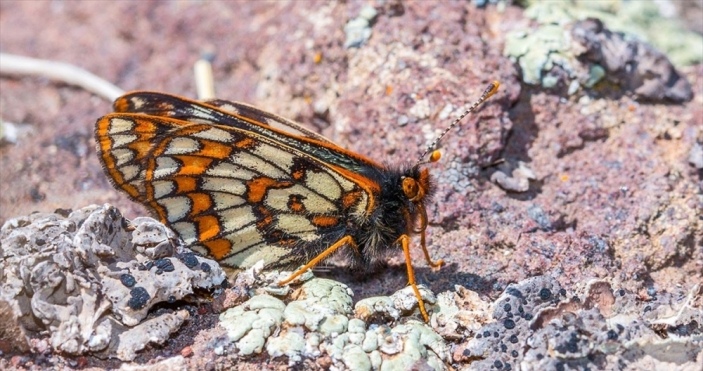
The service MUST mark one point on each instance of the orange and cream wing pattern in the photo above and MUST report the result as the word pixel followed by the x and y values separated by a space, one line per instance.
pixel 242 116
pixel 239 109
pixel 231 192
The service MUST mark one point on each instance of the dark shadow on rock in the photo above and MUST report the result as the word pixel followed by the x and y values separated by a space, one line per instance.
pixel 518 143
pixel 387 279
pixel 446 278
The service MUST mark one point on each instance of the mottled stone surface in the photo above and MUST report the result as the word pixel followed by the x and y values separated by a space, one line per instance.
pixel 535 324
pixel 90 278
pixel 614 184
pixel 570 49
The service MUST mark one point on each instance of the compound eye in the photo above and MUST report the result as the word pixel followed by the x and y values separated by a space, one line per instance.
pixel 410 187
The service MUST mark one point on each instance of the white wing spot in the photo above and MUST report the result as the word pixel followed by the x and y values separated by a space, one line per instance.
pixel 215 134
pixel 121 140
pixel 177 207
pixel 130 172
pixel 226 185
pixel 187 231
pixel 162 188
pixel 122 156
pixel 228 169
pixel 296 225
pixel 249 161
pixel 324 184
pixel 226 200
pixel 120 125
pixel 165 166
pixel 181 145
pixel 270 153
pixel 234 219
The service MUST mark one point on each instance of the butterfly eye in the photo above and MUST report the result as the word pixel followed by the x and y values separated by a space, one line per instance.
pixel 410 188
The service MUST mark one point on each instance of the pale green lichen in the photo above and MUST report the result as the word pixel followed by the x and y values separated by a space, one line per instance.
pixel 291 344
pixel 355 358
pixel 320 321
pixel 540 49
pixel 643 20
pixel 323 305
pixel 250 324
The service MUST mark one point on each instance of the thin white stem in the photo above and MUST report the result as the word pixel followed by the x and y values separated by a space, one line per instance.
pixel 59 71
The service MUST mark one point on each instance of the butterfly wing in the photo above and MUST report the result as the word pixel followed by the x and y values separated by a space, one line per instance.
pixel 233 191
pixel 239 109
pixel 247 118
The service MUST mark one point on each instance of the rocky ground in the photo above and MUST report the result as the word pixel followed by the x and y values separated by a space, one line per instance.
pixel 575 193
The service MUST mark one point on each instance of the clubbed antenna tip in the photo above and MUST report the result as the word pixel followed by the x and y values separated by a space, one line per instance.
pixel 491 89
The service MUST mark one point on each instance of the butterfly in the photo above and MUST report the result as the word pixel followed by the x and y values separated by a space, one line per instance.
pixel 239 184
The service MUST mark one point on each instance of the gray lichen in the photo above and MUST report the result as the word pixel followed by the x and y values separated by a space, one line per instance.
pixel 89 279
pixel 537 326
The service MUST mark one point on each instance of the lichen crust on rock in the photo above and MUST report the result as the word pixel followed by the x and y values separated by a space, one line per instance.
pixel 88 279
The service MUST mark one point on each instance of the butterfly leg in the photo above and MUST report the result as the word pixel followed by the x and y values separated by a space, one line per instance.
pixel 346 240
pixel 433 264
pixel 421 231
pixel 404 241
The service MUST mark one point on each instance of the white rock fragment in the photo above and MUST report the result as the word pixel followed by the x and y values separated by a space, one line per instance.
pixel 358 30
pixel 454 323
pixel 89 278
pixel 155 330
pixel 401 302
pixel 365 308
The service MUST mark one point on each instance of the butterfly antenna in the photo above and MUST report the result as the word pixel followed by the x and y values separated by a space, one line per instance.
pixel 491 89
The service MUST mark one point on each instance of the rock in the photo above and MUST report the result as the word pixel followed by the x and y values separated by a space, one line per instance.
pixel 90 278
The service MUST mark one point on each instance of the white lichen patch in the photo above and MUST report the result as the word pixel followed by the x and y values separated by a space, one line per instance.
pixel 89 279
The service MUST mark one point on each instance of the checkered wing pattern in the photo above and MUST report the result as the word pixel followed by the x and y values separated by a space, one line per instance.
pixel 236 183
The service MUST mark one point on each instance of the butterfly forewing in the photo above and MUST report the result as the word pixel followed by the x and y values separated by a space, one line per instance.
pixel 245 117
pixel 234 194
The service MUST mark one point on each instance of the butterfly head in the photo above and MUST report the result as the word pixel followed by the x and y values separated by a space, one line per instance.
pixel 417 185
pixel 417 188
